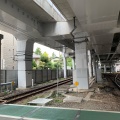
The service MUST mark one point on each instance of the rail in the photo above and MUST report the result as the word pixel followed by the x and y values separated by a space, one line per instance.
pixel 20 96
pixel 115 78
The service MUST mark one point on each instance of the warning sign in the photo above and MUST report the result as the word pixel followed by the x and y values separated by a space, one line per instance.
pixel 76 83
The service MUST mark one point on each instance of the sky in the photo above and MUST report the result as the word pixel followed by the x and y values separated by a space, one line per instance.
pixel 45 49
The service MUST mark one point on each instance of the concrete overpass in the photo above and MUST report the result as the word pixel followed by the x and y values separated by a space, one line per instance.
pixel 95 33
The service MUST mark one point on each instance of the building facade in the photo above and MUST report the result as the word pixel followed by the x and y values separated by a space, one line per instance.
pixel 8 52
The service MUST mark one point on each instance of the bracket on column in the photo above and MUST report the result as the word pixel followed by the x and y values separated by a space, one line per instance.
pixel 86 40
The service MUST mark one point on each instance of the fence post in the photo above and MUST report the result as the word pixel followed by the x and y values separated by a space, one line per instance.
pixel 67 73
pixel 47 74
pixel 5 76
pixel 58 73
pixel 42 75
pixel 51 74
pixel 35 76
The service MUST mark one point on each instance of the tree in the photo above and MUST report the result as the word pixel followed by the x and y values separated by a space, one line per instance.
pixel 53 56
pixel 45 61
pixel 61 57
pixel 44 57
pixel 57 64
pixel 38 51
pixel 69 61
pixel 50 65
pixel 34 65
pixel 41 65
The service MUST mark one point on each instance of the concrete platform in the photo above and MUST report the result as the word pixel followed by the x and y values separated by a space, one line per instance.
pixel 22 112
pixel 40 101
pixel 88 96
pixel 73 99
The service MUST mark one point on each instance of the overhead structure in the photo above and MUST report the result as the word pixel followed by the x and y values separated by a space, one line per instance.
pixel 95 29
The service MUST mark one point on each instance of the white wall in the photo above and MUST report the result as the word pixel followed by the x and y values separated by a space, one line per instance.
pixel 8 51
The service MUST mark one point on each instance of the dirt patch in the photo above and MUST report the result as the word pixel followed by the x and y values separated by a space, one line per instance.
pixel 100 100
pixel 77 94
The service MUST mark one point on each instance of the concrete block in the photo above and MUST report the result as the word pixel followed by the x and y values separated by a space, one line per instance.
pixel 73 99
pixel 81 90
pixel 88 96
pixel 40 101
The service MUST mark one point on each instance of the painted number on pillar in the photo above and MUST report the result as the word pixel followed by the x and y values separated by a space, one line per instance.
pixel 76 83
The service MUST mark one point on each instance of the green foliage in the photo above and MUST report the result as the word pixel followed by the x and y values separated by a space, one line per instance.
pixel 58 64
pixel 41 65
pixel 53 56
pixel 44 57
pixel 38 51
pixel 61 57
pixel 50 65
pixel 45 61
pixel 69 62
pixel 34 65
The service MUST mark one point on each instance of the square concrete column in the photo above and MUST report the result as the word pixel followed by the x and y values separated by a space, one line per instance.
pixel 90 64
pixel 112 68
pixel 24 57
pixel 94 67
pixel 98 73
pixel 64 62
pixel 104 68
pixel 97 70
pixel 80 74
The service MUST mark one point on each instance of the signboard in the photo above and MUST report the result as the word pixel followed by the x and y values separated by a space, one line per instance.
pixel 76 83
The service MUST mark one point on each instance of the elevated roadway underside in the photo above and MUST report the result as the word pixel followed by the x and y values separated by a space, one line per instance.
pixel 95 29
pixel 97 21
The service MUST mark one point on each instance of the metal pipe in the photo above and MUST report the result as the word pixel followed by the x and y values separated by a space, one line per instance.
pixel 73 28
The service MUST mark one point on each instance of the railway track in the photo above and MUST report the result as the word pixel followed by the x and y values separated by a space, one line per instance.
pixel 24 95
pixel 115 79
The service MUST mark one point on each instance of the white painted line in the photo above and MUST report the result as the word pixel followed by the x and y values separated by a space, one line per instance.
pixel 99 111
pixel 64 108
pixel 6 116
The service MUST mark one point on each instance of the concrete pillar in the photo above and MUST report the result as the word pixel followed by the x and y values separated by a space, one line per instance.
pixel 104 68
pixel 80 74
pixel 90 64
pixel 97 70
pixel 95 67
pixel 24 56
pixel 1 37
pixel 112 68
pixel 115 68
pixel 98 73
pixel 64 62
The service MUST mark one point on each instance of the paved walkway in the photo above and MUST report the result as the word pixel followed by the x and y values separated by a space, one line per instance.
pixel 18 112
